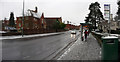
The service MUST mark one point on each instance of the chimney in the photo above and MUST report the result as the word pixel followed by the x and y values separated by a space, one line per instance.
pixel 67 22
pixel 36 9
pixel 42 15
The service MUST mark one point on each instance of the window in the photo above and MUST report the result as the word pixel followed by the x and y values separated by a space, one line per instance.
pixel 19 19
pixel 19 24
pixel 26 25
pixel 35 25
pixel 35 19
pixel 26 18
pixel 42 21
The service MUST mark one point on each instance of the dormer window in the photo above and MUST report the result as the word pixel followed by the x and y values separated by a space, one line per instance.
pixel 42 21
pixel 35 19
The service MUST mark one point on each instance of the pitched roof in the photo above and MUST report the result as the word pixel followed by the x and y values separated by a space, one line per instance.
pixel 37 15
pixel 52 18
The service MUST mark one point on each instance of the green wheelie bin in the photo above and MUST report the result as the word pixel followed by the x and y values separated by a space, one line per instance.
pixel 109 48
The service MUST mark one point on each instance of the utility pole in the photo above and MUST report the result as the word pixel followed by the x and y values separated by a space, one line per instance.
pixel 109 20
pixel 23 19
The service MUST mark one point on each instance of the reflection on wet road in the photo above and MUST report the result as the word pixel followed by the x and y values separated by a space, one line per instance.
pixel 35 48
pixel 73 35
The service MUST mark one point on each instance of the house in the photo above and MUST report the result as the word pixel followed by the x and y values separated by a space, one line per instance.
pixel 50 21
pixel 6 22
pixel 70 26
pixel 104 26
pixel 36 22
pixel 113 25
pixel 118 24
pixel 30 23
pixel 77 27
pixel 1 27
pixel 33 20
pixel 6 26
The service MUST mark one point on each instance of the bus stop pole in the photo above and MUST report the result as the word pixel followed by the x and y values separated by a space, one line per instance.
pixel 81 32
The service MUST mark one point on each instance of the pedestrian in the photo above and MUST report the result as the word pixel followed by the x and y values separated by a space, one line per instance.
pixel 82 38
pixel 86 34
pixel 83 35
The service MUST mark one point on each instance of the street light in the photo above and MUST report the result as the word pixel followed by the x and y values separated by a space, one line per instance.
pixel 23 19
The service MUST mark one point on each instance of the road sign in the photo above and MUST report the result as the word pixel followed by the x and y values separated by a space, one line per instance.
pixel 106 6
pixel 107 11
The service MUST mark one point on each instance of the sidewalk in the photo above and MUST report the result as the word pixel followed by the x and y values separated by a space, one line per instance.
pixel 82 50
pixel 28 36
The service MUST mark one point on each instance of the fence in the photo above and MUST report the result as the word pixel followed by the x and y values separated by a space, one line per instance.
pixel 31 31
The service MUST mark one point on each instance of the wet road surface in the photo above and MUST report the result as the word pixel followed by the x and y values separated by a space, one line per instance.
pixel 35 48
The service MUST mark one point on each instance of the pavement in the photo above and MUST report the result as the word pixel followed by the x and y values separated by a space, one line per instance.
pixel 83 50
pixel 28 36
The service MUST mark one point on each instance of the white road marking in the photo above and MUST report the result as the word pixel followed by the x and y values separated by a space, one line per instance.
pixel 100 56
pixel 100 53
pixel 78 42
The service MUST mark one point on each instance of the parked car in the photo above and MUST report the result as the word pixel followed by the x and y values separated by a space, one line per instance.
pixel 73 32
pixel 97 30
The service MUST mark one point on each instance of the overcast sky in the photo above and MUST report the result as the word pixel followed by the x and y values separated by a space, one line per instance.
pixel 70 10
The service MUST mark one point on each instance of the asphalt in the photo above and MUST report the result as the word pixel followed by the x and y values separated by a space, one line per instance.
pixel 83 50
pixel 44 48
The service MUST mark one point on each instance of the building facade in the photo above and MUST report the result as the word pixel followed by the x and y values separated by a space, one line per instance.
pixel 51 21
pixel 113 25
pixel 36 22
pixel 71 27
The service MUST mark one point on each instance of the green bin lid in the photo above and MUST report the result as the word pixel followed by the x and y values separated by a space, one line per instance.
pixel 110 37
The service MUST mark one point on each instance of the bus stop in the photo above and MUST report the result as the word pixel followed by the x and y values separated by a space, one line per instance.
pixel 84 26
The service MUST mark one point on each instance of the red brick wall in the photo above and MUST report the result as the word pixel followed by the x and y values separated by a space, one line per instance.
pixel 33 23
pixel 18 21
pixel 29 23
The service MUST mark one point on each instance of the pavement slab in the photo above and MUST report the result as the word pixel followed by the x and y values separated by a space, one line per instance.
pixel 83 50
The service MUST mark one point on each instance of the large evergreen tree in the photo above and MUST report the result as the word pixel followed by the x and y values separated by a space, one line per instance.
pixel 118 12
pixel 11 20
pixel 95 14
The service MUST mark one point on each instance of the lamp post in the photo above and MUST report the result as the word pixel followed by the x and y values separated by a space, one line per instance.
pixel 23 19
pixel 109 20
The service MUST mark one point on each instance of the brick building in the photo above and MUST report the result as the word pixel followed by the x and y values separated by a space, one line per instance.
pixel 70 27
pixel 5 23
pixel 30 22
pixel 6 26
pixel 50 21
pixel 36 22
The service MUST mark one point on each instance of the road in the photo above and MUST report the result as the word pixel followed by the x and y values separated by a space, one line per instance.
pixel 44 48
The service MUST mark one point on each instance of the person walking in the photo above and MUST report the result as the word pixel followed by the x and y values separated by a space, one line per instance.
pixel 85 34
pixel 88 32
